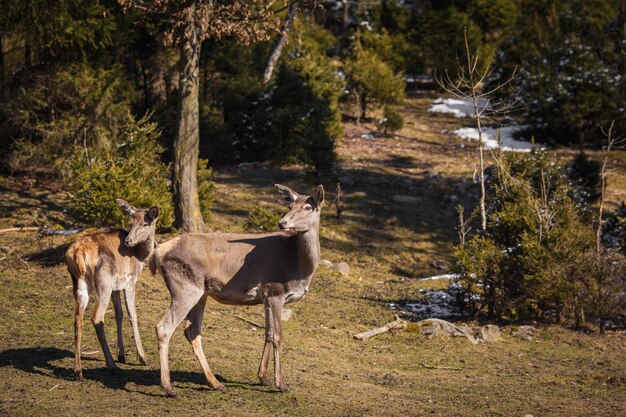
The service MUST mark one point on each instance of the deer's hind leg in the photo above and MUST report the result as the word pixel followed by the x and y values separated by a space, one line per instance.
pixel 182 303
pixel 81 296
pixel 193 330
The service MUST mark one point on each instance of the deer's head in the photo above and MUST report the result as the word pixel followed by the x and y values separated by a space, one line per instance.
pixel 304 213
pixel 142 222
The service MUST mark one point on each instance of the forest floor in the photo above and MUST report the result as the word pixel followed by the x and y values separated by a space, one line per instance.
pixel 389 244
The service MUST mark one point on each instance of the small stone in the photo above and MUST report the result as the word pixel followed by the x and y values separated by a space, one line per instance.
pixel 326 263
pixel 341 267
pixel 523 332
pixel 286 314
pixel 346 180
pixel 438 264
pixel 490 333
pixel 406 199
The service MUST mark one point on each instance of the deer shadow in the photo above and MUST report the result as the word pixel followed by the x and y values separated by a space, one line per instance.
pixel 41 361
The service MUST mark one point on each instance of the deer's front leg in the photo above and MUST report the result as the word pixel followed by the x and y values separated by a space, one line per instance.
pixel 276 306
pixel 129 297
pixel 119 317
pixel 269 335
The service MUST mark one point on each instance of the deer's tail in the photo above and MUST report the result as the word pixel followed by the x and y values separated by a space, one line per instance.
pixel 75 259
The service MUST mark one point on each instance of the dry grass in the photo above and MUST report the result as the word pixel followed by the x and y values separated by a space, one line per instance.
pixel 387 244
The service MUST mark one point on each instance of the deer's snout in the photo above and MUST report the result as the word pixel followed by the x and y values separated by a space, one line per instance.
pixel 128 241
pixel 283 223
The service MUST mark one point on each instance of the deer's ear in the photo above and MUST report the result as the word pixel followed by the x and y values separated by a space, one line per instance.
pixel 287 193
pixel 127 208
pixel 318 195
pixel 153 212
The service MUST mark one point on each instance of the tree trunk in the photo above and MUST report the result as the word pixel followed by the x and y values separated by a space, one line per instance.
pixel 346 15
pixel 363 107
pixel 187 141
pixel 280 42
pixel 1 62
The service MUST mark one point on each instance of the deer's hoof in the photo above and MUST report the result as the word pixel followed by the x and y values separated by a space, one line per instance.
pixel 78 375
pixel 221 388
pixel 170 393
pixel 265 381
pixel 143 361
pixel 113 369
pixel 121 358
pixel 284 388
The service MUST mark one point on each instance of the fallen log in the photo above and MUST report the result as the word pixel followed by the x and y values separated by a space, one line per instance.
pixel 397 324
pixel 20 229
pixel 42 230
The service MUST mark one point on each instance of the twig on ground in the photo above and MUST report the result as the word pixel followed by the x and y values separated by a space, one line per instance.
pixel 248 321
pixel 392 325
pixel 448 368
pixel 25 263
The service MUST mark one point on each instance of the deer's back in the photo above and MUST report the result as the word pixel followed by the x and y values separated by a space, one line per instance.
pixel 231 267
pixel 101 252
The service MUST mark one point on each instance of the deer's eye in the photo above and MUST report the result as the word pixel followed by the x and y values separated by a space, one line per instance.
pixel 308 208
pixel 145 225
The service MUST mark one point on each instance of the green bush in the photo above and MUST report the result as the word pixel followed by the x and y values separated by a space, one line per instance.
pixel 571 68
pixel 536 249
pixel 261 218
pixel 371 81
pixel 132 172
pixel 391 122
pixel 71 111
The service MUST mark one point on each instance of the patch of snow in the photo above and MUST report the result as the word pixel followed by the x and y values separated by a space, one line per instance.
pixel 436 277
pixel 438 304
pixel 490 140
pixel 457 106
pixel 371 135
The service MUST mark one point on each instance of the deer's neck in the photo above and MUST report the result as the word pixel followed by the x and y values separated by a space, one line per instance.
pixel 308 245
pixel 143 250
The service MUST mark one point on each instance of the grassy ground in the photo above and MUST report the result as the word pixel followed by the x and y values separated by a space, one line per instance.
pixel 388 246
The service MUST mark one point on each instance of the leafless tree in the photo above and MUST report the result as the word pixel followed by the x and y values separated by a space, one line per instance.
pixel 612 142
pixel 469 84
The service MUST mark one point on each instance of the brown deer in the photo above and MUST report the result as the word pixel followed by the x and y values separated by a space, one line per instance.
pixel 242 269
pixel 105 263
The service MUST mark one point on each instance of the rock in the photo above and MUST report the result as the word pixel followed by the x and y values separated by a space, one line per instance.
pixel 392 221
pixel 490 333
pixel 438 328
pixel 346 180
pixel 438 264
pixel 523 332
pixel 326 263
pixel 406 199
pixel 286 314
pixel 341 267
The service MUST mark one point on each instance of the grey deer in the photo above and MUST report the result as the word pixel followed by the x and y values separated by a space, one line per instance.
pixel 241 269
pixel 105 263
